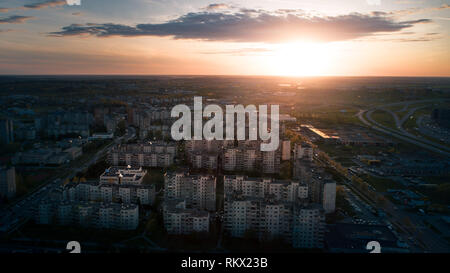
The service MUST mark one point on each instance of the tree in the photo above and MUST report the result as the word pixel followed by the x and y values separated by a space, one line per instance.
pixel 251 235
pixel 285 171
pixel 152 225
pixel 121 127
pixel 381 201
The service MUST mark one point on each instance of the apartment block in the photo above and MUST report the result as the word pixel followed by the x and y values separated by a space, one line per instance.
pixel 304 151
pixel 207 161
pixel 329 196
pixel 158 154
pixel 95 191
pixel 180 220
pixel 301 225
pixel 89 214
pixel 308 227
pixel 242 155
pixel 286 150
pixel 280 190
pixel 199 191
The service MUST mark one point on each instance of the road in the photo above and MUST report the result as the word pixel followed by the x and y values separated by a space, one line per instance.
pixel 20 212
pixel 412 225
pixel 425 127
pixel 365 117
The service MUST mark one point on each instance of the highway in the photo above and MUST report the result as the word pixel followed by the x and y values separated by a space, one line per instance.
pixel 415 232
pixel 366 118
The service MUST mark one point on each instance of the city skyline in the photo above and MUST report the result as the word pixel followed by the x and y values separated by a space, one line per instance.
pixel 284 38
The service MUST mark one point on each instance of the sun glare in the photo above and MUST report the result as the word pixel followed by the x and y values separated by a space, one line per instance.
pixel 300 59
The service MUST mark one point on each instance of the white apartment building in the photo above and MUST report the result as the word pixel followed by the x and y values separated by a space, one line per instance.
pixel 199 191
pixel 303 191
pixel 270 162
pixel 269 220
pixel 89 214
pixel 280 190
pixel 201 160
pixel 329 196
pixel 300 225
pixel 94 191
pixel 179 220
pixel 286 150
pixel 240 159
pixel 208 146
pixel 250 160
pixel 232 159
pixel 158 154
pixel 308 227
pixel 245 156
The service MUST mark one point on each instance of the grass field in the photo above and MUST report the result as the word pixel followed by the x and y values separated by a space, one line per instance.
pixel 384 118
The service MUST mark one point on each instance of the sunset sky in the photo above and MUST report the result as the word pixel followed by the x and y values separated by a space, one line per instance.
pixel 251 37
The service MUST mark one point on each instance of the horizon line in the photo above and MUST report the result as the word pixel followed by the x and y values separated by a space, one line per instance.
pixel 219 75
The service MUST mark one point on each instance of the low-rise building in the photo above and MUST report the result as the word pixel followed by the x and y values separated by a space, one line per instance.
pixel 123 175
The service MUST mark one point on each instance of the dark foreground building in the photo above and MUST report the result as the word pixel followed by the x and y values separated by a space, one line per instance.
pixel 442 117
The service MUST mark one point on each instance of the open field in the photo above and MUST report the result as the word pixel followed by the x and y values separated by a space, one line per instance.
pixel 384 118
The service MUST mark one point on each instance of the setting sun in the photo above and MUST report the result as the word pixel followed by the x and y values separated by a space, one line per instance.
pixel 300 59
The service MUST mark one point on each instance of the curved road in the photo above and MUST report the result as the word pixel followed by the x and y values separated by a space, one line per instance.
pixel 402 134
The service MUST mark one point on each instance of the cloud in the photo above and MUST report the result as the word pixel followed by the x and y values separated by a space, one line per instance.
pixel 412 11
pixel 410 40
pixel 420 21
pixel 45 4
pixel 77 14
pixel 373 2
pixel 39 5
pixel 5 30
pixel 217 6
pixel 15 19
pixel 240 51
pixel 262 26
pixel 405 2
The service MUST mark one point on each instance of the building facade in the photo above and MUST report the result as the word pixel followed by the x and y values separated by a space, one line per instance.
pixel 156 154
pixel 89 214
pixel 7 182
pixel 179 220
pixel 199 191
